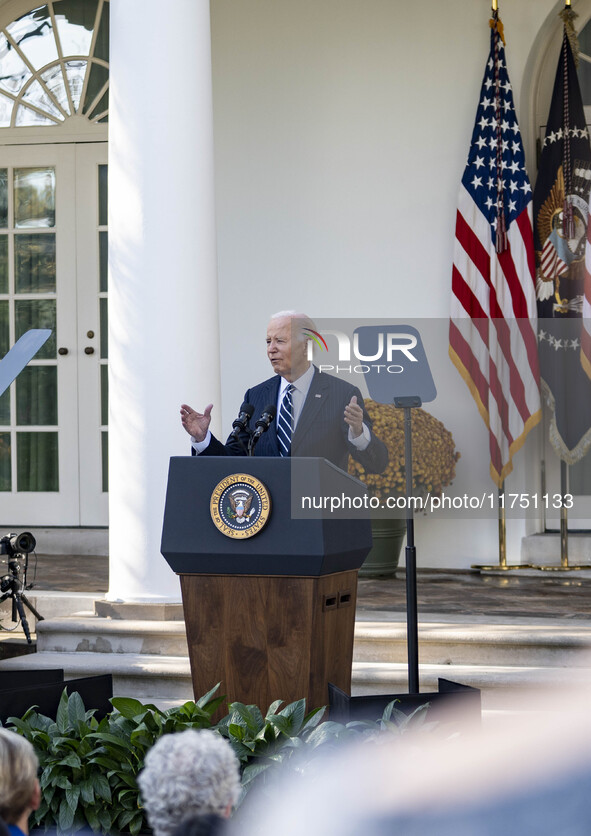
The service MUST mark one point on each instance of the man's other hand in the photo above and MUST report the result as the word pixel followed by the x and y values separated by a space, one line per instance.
pixel 354 417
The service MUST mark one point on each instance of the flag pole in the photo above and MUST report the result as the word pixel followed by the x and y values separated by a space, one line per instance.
pixel 565 566
pixel 502 527
pixel 502 566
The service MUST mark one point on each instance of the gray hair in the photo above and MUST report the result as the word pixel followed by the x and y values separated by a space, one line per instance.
pixel 18 774
pixel 306 322
pixel 186 774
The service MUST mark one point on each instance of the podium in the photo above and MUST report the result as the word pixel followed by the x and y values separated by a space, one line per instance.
pixel 272 615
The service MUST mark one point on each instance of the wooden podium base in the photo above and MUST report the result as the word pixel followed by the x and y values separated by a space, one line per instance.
pixel 270 637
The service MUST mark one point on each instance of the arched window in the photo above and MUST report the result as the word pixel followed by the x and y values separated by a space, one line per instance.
pixel 54 64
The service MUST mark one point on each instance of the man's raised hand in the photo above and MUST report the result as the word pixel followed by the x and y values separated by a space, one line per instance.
pixel 196 423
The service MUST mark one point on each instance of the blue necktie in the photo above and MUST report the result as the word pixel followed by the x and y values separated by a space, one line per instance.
pixel 285 422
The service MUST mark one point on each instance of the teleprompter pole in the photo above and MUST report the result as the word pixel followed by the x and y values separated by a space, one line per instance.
pixel 412 625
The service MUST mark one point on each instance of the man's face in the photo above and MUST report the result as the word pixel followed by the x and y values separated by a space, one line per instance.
pixel 288 359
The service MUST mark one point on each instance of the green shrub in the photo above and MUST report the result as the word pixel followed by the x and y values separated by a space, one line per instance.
pixel 88 768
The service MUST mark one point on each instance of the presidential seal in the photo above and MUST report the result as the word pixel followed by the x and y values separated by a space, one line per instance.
pixel 240 505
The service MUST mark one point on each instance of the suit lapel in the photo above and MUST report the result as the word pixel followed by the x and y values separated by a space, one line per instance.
pixel 315 400
pixel 268 395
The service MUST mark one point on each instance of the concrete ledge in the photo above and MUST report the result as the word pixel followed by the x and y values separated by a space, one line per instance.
pixel 139 612
pixel 544 549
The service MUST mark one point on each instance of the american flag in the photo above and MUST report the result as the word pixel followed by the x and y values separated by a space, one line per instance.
pixel 493 315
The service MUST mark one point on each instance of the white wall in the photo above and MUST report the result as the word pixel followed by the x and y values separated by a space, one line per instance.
pixel 341 133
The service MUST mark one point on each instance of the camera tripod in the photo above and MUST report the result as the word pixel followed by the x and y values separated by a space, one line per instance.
pixel 12 586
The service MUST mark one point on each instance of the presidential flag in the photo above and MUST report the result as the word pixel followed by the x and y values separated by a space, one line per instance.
pixel 493 317
pixel 561 210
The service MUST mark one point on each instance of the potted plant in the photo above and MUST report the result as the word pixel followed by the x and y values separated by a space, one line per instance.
pixel 434 460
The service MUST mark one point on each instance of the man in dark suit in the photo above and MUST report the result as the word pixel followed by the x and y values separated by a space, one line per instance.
pixel 327 414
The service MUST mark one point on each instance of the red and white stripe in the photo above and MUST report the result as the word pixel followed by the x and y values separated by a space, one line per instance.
pixel 493 328
pixel 551 263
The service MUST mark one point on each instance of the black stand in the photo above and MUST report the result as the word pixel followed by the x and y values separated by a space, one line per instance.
pixel 412 621
pixel 12 586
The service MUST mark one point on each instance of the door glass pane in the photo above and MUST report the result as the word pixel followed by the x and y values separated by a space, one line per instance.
pixel 105 452
pixel 5 475
pixel 14 70
pixel 97 79
pixel 54 80
pixel 37 97
pixel 36 396
pixel 37 313
pixel 104 329
pixel 34 197
pixel 104 395
pixel 103 260
pixel 33 33
pixel 5 408
pixel 3 198
pixel 75 22
pixel 102 172
pixel 75 72
pixel 4 332
pixel 34 263
pixel 101 47
pixel 3 263
pixel 37 468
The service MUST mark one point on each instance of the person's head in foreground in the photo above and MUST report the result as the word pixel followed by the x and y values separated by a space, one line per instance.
pixel 19 788
pixel 188 774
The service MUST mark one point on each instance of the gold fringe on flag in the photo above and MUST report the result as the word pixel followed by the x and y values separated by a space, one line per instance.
pixel 568 18
pixel 497 23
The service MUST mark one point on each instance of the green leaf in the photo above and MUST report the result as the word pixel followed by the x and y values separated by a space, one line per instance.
pixel 111 740
pixel 105 820
pixel 236 731
pixel 297 712
pixel 101 787
pixel 72 760
pixel 136 824
pixel 61 717
pixel 86 791
pixel 273 708
pixel 62 781
pixel 202 701
pixel 252 771
pixel 249 714
pixel 125 818
pixel 92 818
pixel 72 796
pixel 66 816
pixel 76 709
pixel 282 724
pixel 312 719
pixel 128 707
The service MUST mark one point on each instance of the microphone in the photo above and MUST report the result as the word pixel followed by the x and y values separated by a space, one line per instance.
pixel 240 424
pixel 263 424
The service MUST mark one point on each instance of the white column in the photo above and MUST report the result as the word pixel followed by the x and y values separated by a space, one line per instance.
pixel 163 315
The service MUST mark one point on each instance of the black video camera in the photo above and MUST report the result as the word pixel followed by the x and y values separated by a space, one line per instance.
pixel 17 544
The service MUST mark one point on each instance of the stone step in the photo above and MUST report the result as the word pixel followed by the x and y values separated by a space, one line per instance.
pixel 503 687
pixel 89 633
pixel 134 674
pixel 529 644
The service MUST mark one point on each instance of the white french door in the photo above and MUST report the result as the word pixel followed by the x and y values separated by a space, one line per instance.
pixel 53 251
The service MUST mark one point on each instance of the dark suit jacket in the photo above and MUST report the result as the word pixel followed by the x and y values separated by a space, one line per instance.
pixel 321 429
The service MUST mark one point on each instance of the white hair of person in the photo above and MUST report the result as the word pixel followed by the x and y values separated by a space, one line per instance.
pixel 186 774
pixel 306 321
pixel 18 774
